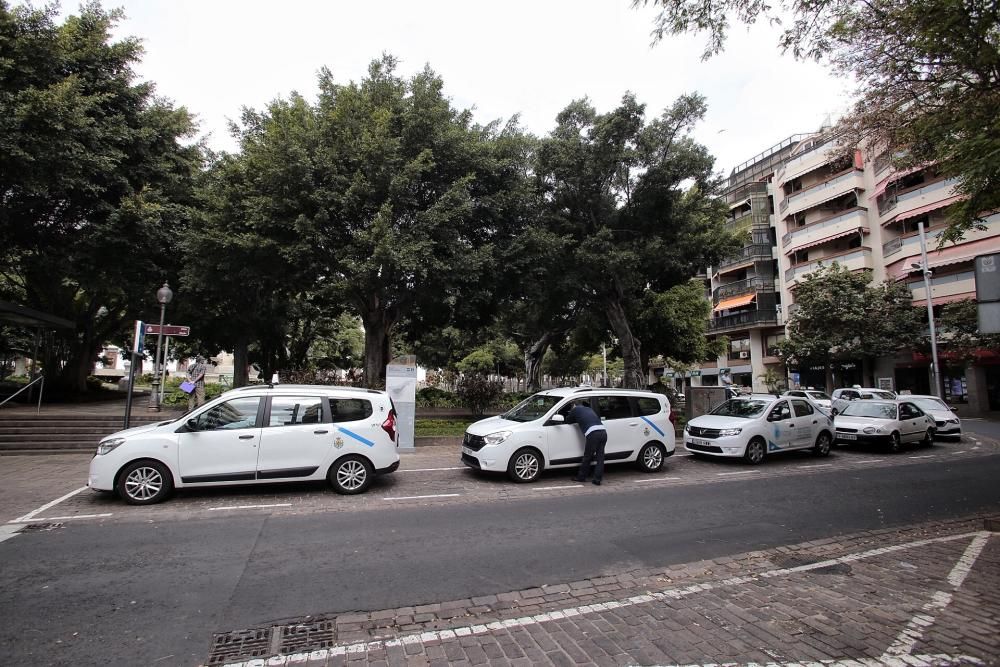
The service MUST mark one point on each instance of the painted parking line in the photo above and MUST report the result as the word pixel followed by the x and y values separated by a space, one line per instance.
pixel 961 451
pixel 7 532
pixel 925 456
pixel 870 460
pixel 46 506
pixel 739 472
pixel 817 465
pixel 554 488
pixel 247 507
pixel 436 495
pixel 63 518
pixel 432 469
pixel 657 479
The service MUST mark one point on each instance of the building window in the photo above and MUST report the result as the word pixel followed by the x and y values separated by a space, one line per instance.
pixel 956 389
pixel 739 349
pixel 770 344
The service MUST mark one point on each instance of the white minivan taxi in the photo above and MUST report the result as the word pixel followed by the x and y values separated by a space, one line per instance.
pixel 533 436
pixel 251 435
pixel 756 426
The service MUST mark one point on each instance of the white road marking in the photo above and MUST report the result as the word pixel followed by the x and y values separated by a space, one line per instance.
pixel 925 456
pixel 817 465
pixel 62 518
pixel 7 532
pixel 436 495
pixel 656 479
pixel 48 505
pixel 553 488
pixel 610 605
pixel 433 469
pixel 961 451
pixel 247 507
pixel 870 460
pixel 914 630
pixel 740 472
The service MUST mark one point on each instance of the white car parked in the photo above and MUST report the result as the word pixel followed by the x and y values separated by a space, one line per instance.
pixel 755 426
pixel 253 435
pixel 820 398
pixel 946 422
pixel 533 436
pixel 889 423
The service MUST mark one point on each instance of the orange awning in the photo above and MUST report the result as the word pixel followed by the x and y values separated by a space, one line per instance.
pixel 927 208
pixel 735 302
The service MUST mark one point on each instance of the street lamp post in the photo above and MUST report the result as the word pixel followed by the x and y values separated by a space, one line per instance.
pixel 935 370
pixel 163 297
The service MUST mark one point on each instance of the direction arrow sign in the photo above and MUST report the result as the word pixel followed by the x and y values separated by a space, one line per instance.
pixel 168 330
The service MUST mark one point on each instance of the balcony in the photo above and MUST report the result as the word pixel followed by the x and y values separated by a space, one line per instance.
pixel 812 159
pixel 751 253
pixel 854 260
pixel 740 224
pixel 945 288
pixel 817 233
pixel 741 287
pixel 938 192
pixel 823 192
pixel 751 318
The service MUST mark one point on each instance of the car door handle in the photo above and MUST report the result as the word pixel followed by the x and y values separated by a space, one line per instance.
pixel 815 421
pixel 321 432
pixel 246 437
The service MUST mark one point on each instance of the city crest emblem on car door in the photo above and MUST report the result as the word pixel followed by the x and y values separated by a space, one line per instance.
pixel 339 442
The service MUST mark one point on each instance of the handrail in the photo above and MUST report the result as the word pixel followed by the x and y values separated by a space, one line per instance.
pixel 41 390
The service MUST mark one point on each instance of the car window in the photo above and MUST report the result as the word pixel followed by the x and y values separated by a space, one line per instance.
pixel 887 395
pixel 818 396
pixel 614 407
pixel 802 408
pixel 233 414
pixel 741 407
pixel 292 410
pixel 926 404
pixel 795 393
pixel 532 408
pixel 874 409
pixel 780 412
pixel 648 406
pixel 909 411
pixel 350 409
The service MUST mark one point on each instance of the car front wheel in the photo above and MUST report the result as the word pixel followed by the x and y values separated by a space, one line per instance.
pixel 928 440
pixel 525 466
pixel 144 483
pixel 822 447
pixel 895 445
pixel 351 475
pixel 755 451
pixel 650 457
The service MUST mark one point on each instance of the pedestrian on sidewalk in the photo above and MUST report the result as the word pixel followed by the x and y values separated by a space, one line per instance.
pixel 595 437
pixel 196 376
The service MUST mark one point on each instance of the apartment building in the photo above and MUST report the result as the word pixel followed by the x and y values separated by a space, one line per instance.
pixel 805 203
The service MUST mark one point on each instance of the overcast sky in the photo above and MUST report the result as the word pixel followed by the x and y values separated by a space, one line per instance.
pixel 500 58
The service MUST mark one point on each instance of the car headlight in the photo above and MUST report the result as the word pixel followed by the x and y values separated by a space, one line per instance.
pixel 496 438
pixel 109 445
pixel 730 431
pixel 687 428
pixel 872 429
pixel 953 421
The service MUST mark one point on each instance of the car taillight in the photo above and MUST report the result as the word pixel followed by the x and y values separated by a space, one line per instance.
pixel 389 425
pixel 673 419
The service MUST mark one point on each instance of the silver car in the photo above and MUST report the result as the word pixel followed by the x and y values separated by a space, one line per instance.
pixel 946 422
pixel 888 423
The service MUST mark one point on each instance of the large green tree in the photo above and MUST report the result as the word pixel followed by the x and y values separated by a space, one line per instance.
pixel 957 329
pixel 636 201
pixel 927 72
pixel 96 179
pixel 840 315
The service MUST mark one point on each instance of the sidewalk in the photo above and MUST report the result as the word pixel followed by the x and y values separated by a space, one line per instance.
pixel 922 595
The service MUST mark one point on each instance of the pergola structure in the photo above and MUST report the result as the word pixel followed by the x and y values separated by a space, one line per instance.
pixel 29 318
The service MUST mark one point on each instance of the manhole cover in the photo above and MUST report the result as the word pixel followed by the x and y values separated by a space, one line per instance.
pixel 37 527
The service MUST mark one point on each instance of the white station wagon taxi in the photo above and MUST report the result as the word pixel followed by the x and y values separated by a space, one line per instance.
pixel 756 426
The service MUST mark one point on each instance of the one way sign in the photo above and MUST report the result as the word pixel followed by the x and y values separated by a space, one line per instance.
pixel 168 330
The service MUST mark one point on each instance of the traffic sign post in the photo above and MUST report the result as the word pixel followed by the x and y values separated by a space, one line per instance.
pixel 138 333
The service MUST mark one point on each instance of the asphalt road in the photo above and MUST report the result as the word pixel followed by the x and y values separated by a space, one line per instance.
pixel 153 593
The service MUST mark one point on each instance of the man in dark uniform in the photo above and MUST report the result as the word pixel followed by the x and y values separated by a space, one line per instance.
pixel 596 438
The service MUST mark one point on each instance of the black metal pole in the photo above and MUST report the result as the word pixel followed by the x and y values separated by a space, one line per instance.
pixel 131 380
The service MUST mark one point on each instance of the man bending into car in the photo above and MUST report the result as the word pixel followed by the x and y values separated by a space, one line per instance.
pixel 596 438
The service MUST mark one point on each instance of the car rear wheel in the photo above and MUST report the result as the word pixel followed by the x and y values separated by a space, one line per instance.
pixel 822 446
pixel 755 451
pixel 525 466
pixel 144 483
pixel 351 474
pixel 650 457
pixel 895 445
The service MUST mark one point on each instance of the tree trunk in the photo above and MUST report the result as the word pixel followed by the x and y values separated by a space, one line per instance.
pixel 633 377
pixel 533 356
pixel 829 377
pixel 240 374
pixel 377 333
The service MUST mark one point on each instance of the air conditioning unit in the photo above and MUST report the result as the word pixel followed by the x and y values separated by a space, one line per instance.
pixel 744 355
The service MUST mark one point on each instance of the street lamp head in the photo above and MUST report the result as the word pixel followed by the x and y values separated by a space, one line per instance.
pixel 916 266
pixel 164 294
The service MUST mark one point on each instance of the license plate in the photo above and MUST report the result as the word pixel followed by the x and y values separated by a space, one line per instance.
pixel 847 436
pixel 697 441
pixel 466 450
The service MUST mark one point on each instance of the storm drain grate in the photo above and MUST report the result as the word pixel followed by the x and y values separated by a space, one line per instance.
pixel 240 645
pixel 301 637
pixel 38 527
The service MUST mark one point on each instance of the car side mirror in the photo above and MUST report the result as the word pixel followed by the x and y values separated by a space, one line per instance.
pixel 834 412
pixel 557 419
pixel 192 424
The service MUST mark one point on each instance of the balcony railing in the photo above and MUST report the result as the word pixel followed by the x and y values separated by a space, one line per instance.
pixel 742 223
pixel 754 251
pixel 749 318
pixel 847 260
pixel 832 185
pixel 892 247
pixel 862 213
pixel 742 287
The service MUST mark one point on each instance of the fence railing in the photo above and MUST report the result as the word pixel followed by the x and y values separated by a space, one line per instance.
pixel 744 319
pixel 742 287
pixel 40 380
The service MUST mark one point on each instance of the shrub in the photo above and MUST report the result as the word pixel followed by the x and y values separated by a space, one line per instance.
pixel 478 393
pixel 432 397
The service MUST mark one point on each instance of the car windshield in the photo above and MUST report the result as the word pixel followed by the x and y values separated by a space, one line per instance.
pixel 884 394
pixel 741 407
pixel 931 404
pixel 532 408
pixel 870 409
pixel 818 396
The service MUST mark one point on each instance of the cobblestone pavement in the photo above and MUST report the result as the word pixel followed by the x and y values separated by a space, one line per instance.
pixel 923 595
pixel 428 475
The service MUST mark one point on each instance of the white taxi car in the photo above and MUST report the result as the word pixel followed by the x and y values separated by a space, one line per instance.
pixel 252 435
pixel 946 423
pixel 756 426
pixel 889 423
pixel 533 435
